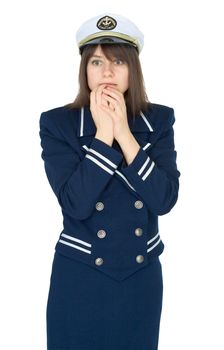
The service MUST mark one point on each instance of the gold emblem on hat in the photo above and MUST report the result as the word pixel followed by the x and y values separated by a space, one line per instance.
pixel 106 23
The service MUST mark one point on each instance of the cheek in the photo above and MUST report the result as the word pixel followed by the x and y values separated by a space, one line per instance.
pixel 125 81
pixel 92 79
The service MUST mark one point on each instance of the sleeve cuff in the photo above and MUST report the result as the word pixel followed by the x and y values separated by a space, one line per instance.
pixel 104 156
pixel 142 165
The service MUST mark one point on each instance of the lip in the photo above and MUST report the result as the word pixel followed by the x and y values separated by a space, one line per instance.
pixel 109 84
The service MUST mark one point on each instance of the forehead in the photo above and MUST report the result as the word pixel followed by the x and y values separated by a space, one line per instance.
pixel 98 51
pixel 109 52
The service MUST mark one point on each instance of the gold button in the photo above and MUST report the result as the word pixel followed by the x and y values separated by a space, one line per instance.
pixel 101 233
pixel 138 231
pixel 99 206
pixel 99 261
pixel 139 259
pixel 138 204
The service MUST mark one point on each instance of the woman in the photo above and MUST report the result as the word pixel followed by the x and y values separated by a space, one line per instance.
pixel 109 157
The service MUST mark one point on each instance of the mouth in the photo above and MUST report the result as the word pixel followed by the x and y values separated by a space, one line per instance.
pixel 109 84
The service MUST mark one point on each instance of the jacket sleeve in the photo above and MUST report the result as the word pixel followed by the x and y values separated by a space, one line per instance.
pixel 153 172
pixel 76 182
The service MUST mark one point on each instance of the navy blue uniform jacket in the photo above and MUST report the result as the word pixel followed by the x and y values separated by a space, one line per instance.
pixel 110 209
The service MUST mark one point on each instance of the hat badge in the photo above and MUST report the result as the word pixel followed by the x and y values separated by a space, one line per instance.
pixel 106 23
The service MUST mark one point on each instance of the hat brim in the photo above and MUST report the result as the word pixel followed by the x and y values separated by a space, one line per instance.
pixel 107 40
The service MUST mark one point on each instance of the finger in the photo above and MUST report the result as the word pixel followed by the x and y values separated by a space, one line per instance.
pixel 112 107
pixel 109 110
pixel 117 95
pixel 92 98
pixel 104 102
pixel 111 100
pixel 99 91
pixel 109 105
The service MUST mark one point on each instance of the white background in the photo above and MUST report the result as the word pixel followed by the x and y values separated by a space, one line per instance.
pixel 182 61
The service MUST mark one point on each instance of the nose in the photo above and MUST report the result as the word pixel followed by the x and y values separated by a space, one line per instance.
pixel 108 69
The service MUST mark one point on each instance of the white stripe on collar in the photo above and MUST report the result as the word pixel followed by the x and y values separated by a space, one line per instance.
pixel 82 121
pixel 146 121
pixel 83 115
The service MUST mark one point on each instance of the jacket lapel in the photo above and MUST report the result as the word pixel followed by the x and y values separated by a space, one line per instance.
pixel 87 126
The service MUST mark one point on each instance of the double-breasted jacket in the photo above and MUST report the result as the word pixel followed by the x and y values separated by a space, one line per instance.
pixel 110 209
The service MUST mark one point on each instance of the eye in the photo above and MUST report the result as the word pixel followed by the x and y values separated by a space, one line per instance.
pixel 96 62
pixel 117 61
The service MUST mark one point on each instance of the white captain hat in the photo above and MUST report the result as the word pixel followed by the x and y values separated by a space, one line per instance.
pixel 109 29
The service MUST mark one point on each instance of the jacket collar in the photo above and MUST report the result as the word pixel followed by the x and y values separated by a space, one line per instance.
pixel 86 125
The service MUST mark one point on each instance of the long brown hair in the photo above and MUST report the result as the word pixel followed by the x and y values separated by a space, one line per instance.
pixel 135 97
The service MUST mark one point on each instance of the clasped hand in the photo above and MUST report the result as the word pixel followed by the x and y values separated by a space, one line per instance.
pixel 108 110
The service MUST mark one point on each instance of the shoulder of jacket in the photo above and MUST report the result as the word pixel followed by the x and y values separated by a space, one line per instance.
pixel 59 117
pixel 61 112
pixel 161 116
pixel 158 108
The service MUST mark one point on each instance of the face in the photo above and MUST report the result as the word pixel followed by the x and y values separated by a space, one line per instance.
pixel 102 71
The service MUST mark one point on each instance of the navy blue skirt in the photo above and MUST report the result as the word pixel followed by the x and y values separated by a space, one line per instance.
pixel 88 310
